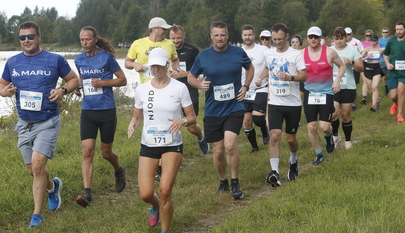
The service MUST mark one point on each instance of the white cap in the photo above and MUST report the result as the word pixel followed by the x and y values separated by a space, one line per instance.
pixel 158 22
pixel 265 33
pixel 348 30
pixel 158 56
pixel 314 31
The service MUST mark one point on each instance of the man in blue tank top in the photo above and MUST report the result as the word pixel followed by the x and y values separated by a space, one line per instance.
pixel 32 77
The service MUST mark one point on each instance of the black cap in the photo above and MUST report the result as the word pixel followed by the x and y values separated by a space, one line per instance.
pixel 373 37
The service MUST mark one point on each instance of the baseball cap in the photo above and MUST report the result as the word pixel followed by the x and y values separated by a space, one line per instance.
pixel 265 33
pixel 158 56
pixel 314 31
pixel 348 30
pixel 158 22
pixel 373 37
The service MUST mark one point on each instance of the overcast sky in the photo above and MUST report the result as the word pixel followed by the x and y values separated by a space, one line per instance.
pixel 64 7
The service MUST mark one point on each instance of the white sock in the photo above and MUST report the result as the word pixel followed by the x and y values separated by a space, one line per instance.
pixel 293 157
pixel 274 164
pixel 52 189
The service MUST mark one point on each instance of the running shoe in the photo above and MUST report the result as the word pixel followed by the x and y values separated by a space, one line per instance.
pixel 330 144
pixel 377 104
pixel 318 160
pixel 293 172
pixel 393 109
pixel 36 219
pixel 266 139
pixel 204 146
pixel 400 118
pixel 348 145
pixel 54 200
pixel 364 100
pixel 120 181
pixel 254 150
pixel 223 186
pixel 336 139
pixel 354 108
pixel 373 108
pixel 158 173
pixel 85 199
pixel 153 218
pixel 236 191
pixel 273 178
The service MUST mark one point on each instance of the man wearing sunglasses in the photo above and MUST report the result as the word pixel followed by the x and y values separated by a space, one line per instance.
pixel 382 41
pixel 355 43
pixel 320 87
pixel 265 37
pixel 32 76
pixel 284 69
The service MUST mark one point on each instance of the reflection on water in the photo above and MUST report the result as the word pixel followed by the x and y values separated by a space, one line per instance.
pixel 6 103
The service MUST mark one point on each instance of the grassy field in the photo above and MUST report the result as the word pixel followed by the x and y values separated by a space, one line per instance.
pixel 358 190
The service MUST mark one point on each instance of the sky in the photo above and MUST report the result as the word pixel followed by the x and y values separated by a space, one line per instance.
pixel 64 7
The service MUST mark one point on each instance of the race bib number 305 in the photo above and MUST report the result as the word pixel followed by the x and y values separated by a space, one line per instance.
pixel 158 136
pixel 31 100
pixel 224 92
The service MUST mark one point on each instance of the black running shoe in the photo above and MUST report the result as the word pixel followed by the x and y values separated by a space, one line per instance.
pixel 236 191
pixel 254 150
pixel 293 172
pixel 330 144
pixel 120 181
pixel 273 178
pixel 85 199
pixel 158 173
pixel 318 160
pixel 223 186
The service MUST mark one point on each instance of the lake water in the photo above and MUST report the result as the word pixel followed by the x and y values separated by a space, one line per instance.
pixel 6 103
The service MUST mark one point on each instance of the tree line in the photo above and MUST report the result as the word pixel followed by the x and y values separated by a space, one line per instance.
pixel 127 20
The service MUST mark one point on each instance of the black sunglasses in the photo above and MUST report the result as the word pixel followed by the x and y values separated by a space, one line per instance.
pixel 384 32
pixel 29 36
pixel 313 37
pixel 264 38
pixel 368 35
pixel 348 34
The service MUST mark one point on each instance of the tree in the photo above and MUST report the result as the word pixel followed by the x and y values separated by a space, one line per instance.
pixel 297 23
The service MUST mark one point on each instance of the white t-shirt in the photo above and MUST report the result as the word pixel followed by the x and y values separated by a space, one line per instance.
pixel 356 44
pixel 256 55
pixel 284 93
pixel 160 105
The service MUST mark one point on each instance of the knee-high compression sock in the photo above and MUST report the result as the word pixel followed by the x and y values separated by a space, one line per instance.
pixel 251 135
pixel 347 129
pixel 335 127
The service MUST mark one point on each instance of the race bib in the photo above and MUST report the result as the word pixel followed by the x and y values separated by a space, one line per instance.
pixel 30 100
pixel 89 89
pixel 280 88
pixel 147 74
pixel 343 79
pixel 316 98
pixel 183 65
pixel 158 136
pixel 224 92
pixel 375 55
pixel 250 95
pixel 400 65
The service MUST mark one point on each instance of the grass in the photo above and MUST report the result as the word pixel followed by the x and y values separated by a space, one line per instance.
pixel 358 190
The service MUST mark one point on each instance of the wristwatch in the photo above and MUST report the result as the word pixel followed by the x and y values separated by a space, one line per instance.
pixel 185 122
pixel 64 90
pixel 352 62
pixel 247 87
pixel 292 78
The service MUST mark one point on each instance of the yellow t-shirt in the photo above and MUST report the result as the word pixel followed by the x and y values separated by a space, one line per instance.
pixel 141 48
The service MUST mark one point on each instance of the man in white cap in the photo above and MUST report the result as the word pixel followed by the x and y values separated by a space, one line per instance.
pixel 138 53
pixel 265 37
pixel 320 87
pixel 355 43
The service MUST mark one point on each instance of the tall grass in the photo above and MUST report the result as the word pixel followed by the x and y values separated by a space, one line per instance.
pixel 358 190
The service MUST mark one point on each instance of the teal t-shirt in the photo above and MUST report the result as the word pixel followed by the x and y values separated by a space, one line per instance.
pixel 347 81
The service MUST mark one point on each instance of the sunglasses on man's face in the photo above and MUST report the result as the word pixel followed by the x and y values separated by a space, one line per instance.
pixel 384 32
pixel 29 36
pixel 264 38
pixel 348 34
pixel 368 35
pixel 313 37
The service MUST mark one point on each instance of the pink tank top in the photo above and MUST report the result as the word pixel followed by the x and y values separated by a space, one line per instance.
pixel 319 73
